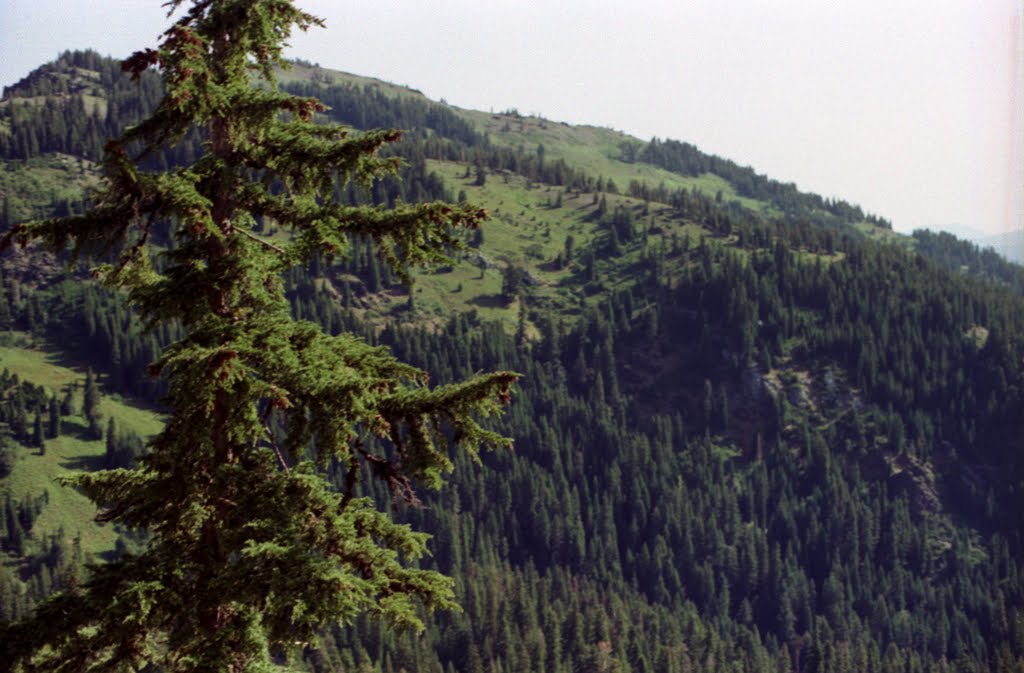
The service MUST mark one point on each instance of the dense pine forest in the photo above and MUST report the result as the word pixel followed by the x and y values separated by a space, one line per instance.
pixel 755 430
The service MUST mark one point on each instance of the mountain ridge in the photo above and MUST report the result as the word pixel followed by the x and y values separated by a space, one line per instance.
pixel 752 435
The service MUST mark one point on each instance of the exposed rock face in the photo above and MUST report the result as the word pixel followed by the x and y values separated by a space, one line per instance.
pixel 793 383
pixel 30 266
pixel 798 397
pixel 914 478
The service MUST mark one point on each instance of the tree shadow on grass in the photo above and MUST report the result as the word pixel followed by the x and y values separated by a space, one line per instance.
pixel 109 555
pixel 488 301
pixel 551 266
pixel 76 429
pixel 85 463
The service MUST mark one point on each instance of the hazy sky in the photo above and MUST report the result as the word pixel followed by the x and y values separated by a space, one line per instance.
pixel 911 108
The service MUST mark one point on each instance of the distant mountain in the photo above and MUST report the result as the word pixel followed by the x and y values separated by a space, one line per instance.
pixel 969 259
pixel 757 430
pixel 1009 244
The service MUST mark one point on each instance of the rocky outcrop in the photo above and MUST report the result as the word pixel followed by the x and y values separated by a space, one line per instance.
pixel 914 478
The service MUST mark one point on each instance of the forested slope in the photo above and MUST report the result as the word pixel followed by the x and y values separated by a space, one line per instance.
pixel 748 437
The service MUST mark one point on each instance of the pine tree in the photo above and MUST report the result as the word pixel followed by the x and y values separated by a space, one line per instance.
pixel 37 433
pixel 67 404
pixel 111 445
pixel 252 550
pixel 91 406
pixel 53 411
pixel 5 213
pixel 91 398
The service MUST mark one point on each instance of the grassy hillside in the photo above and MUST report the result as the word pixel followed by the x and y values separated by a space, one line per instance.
pixel 36 472
pixel 41 185
pixel 529 228
pixel 595 150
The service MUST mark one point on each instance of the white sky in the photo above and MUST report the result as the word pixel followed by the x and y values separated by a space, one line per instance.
pixel 911 108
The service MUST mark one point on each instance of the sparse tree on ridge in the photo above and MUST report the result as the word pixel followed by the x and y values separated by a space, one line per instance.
pixel 252 549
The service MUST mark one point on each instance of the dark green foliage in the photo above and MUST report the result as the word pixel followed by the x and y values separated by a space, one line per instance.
pixel 965 257
pixel 665 508
pixel 252 551
pixel 63 124
pixel 368 107
pixel 37 432
pixel 8 456
pixel 94 323
pixel 43 563
pixel 766 554
pixel 53 418
pixel 686 159
pixel 5 214
pixel 91 406
pixel 67 405
pixel 19 399
pixel 122 447
pixel 514 282
pixel 17 519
